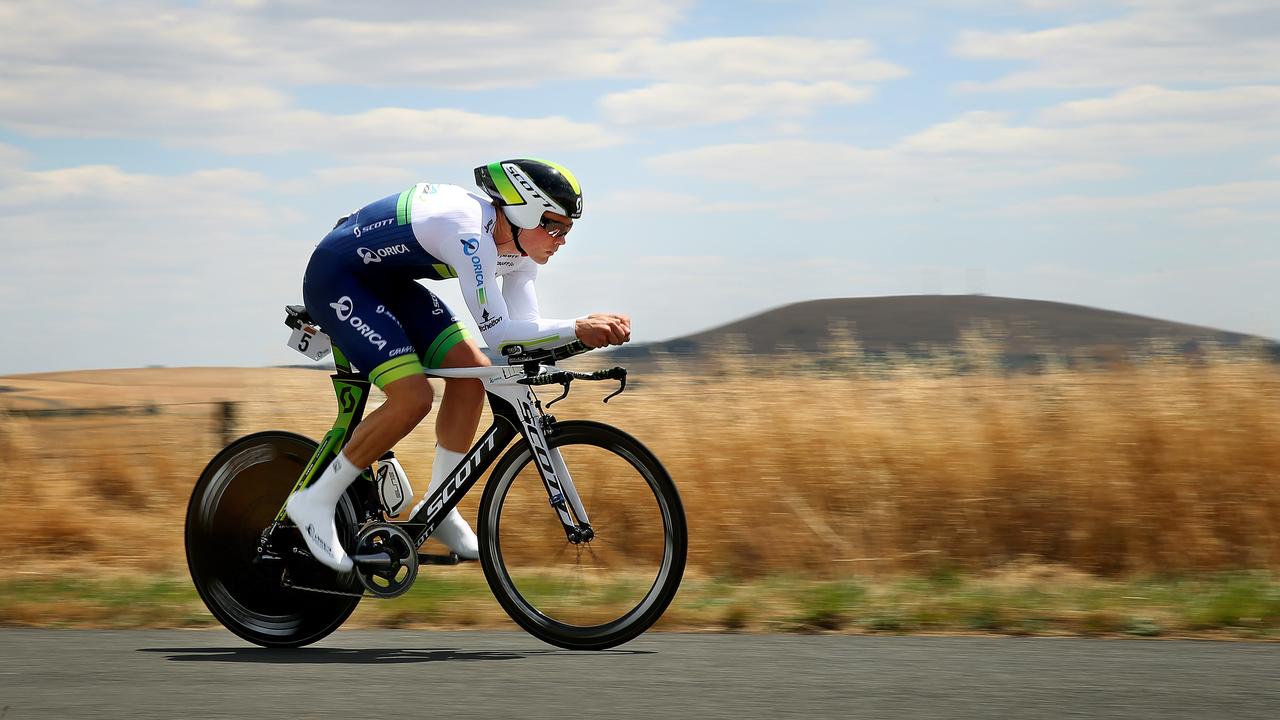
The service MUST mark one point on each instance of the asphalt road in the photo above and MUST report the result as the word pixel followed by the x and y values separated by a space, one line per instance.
pixel 211 674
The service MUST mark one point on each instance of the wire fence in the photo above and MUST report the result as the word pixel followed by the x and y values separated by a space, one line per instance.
pixel 134 430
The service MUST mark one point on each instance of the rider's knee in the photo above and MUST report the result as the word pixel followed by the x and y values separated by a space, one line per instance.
pixel 409 399
pixel 416 408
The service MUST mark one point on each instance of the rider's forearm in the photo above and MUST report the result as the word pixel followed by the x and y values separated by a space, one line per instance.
pixel 542 332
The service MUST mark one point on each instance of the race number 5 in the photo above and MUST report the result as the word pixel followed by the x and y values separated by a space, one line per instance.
pixel 309 341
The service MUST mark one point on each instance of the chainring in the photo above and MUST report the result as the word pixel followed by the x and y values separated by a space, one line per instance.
pixel 396 578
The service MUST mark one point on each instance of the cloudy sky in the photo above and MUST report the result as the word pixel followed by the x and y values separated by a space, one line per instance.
pixel 166 167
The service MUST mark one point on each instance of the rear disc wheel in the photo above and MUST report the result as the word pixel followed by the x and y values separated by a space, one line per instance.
pixel 235 499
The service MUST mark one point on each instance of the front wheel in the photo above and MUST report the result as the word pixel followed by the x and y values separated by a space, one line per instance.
pixel 595 594
pixel 235 499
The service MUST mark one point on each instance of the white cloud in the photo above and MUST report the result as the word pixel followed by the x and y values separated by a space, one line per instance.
pixel 673 104
pixel 644 201
pixel 223 76
pixel 719 80
pixel 95 192
pixel 1218 218
pixel 223 72
pixel 394 43
pixel 1157 41
pixel 1093 140
pixel 789 162
pixel 983 133
pixel 408 136
pixel 252 119
pixel 1083 172
pixel 129 269
pixel 499 44
pixel 1220 199
pixel 1140 121
pixel 1252 104
pixel 360 175
pixel 896 179
pixel 12 161
pixel 760 59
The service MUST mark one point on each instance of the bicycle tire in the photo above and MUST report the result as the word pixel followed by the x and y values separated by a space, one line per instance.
pixel 507 541
pixel 236 498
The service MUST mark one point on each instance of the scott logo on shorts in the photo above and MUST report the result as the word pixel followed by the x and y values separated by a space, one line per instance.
pixel 373 256
pixel 344 308
pixel 372 226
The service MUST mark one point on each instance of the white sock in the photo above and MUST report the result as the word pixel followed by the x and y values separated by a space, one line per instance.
pixel 446 460
pixel 313 510
pixel 335 479
pixel 453 531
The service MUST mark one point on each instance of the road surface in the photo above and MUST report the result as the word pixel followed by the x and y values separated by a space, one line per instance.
pixel 68 674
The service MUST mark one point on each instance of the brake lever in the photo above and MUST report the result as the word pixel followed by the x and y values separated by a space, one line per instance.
pixel 622 385
pixel 563 395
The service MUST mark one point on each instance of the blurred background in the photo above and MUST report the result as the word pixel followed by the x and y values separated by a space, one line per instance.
pixel 948 315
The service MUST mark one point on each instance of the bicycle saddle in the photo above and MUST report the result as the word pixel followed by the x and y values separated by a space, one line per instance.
pixel 296 316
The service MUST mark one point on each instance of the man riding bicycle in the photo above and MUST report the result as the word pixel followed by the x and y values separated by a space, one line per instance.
pixel 360 286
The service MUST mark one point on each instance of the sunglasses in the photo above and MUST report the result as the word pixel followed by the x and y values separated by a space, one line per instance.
pixel 555 228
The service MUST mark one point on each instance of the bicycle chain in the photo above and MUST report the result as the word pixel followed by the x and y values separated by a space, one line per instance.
pixel 287 584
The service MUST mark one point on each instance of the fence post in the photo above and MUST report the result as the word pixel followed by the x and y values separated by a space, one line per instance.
pixel 227 421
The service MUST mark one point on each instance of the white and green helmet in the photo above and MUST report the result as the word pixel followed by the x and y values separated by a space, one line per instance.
pixel 526 187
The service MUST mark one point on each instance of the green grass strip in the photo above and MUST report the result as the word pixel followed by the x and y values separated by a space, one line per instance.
pixel 1236 605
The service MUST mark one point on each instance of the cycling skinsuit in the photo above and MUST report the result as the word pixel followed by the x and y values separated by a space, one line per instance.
pixel 360 284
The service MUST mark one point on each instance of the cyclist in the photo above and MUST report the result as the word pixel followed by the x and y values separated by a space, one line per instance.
pixel 360 287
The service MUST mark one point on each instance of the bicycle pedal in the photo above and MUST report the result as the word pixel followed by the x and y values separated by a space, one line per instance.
pixel 450 559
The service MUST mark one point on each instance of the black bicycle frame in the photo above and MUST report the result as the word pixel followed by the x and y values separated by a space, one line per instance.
pixel 472 467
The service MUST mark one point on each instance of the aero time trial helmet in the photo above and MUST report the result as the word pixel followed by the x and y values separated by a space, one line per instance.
pixel 525 188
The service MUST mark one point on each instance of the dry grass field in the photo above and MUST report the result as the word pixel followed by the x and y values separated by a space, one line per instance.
pixel 851 472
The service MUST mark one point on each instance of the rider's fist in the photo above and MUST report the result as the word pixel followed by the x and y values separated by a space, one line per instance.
pixel 600 329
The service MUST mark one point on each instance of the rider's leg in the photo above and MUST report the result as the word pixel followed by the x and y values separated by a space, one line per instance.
pixel 455 429
pixel 463 399
pixel 312 509
pixel 408 402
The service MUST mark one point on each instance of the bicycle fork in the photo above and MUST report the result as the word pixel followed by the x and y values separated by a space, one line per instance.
pixel 536 425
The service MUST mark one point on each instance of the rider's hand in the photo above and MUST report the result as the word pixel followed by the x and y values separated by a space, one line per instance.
pixel 600 329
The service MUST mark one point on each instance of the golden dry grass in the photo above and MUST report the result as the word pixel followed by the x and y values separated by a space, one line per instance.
pixel 1168 465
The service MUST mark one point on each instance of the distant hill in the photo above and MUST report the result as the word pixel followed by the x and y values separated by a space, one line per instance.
pixel 913 323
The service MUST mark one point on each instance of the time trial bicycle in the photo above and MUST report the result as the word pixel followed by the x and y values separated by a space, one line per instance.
pixel 581 530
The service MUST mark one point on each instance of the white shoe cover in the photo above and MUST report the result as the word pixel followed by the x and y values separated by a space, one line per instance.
pixel 316 521
pixel 456 533
pixel 453 531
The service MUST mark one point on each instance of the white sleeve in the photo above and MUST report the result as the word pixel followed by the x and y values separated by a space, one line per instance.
pixel 506 317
